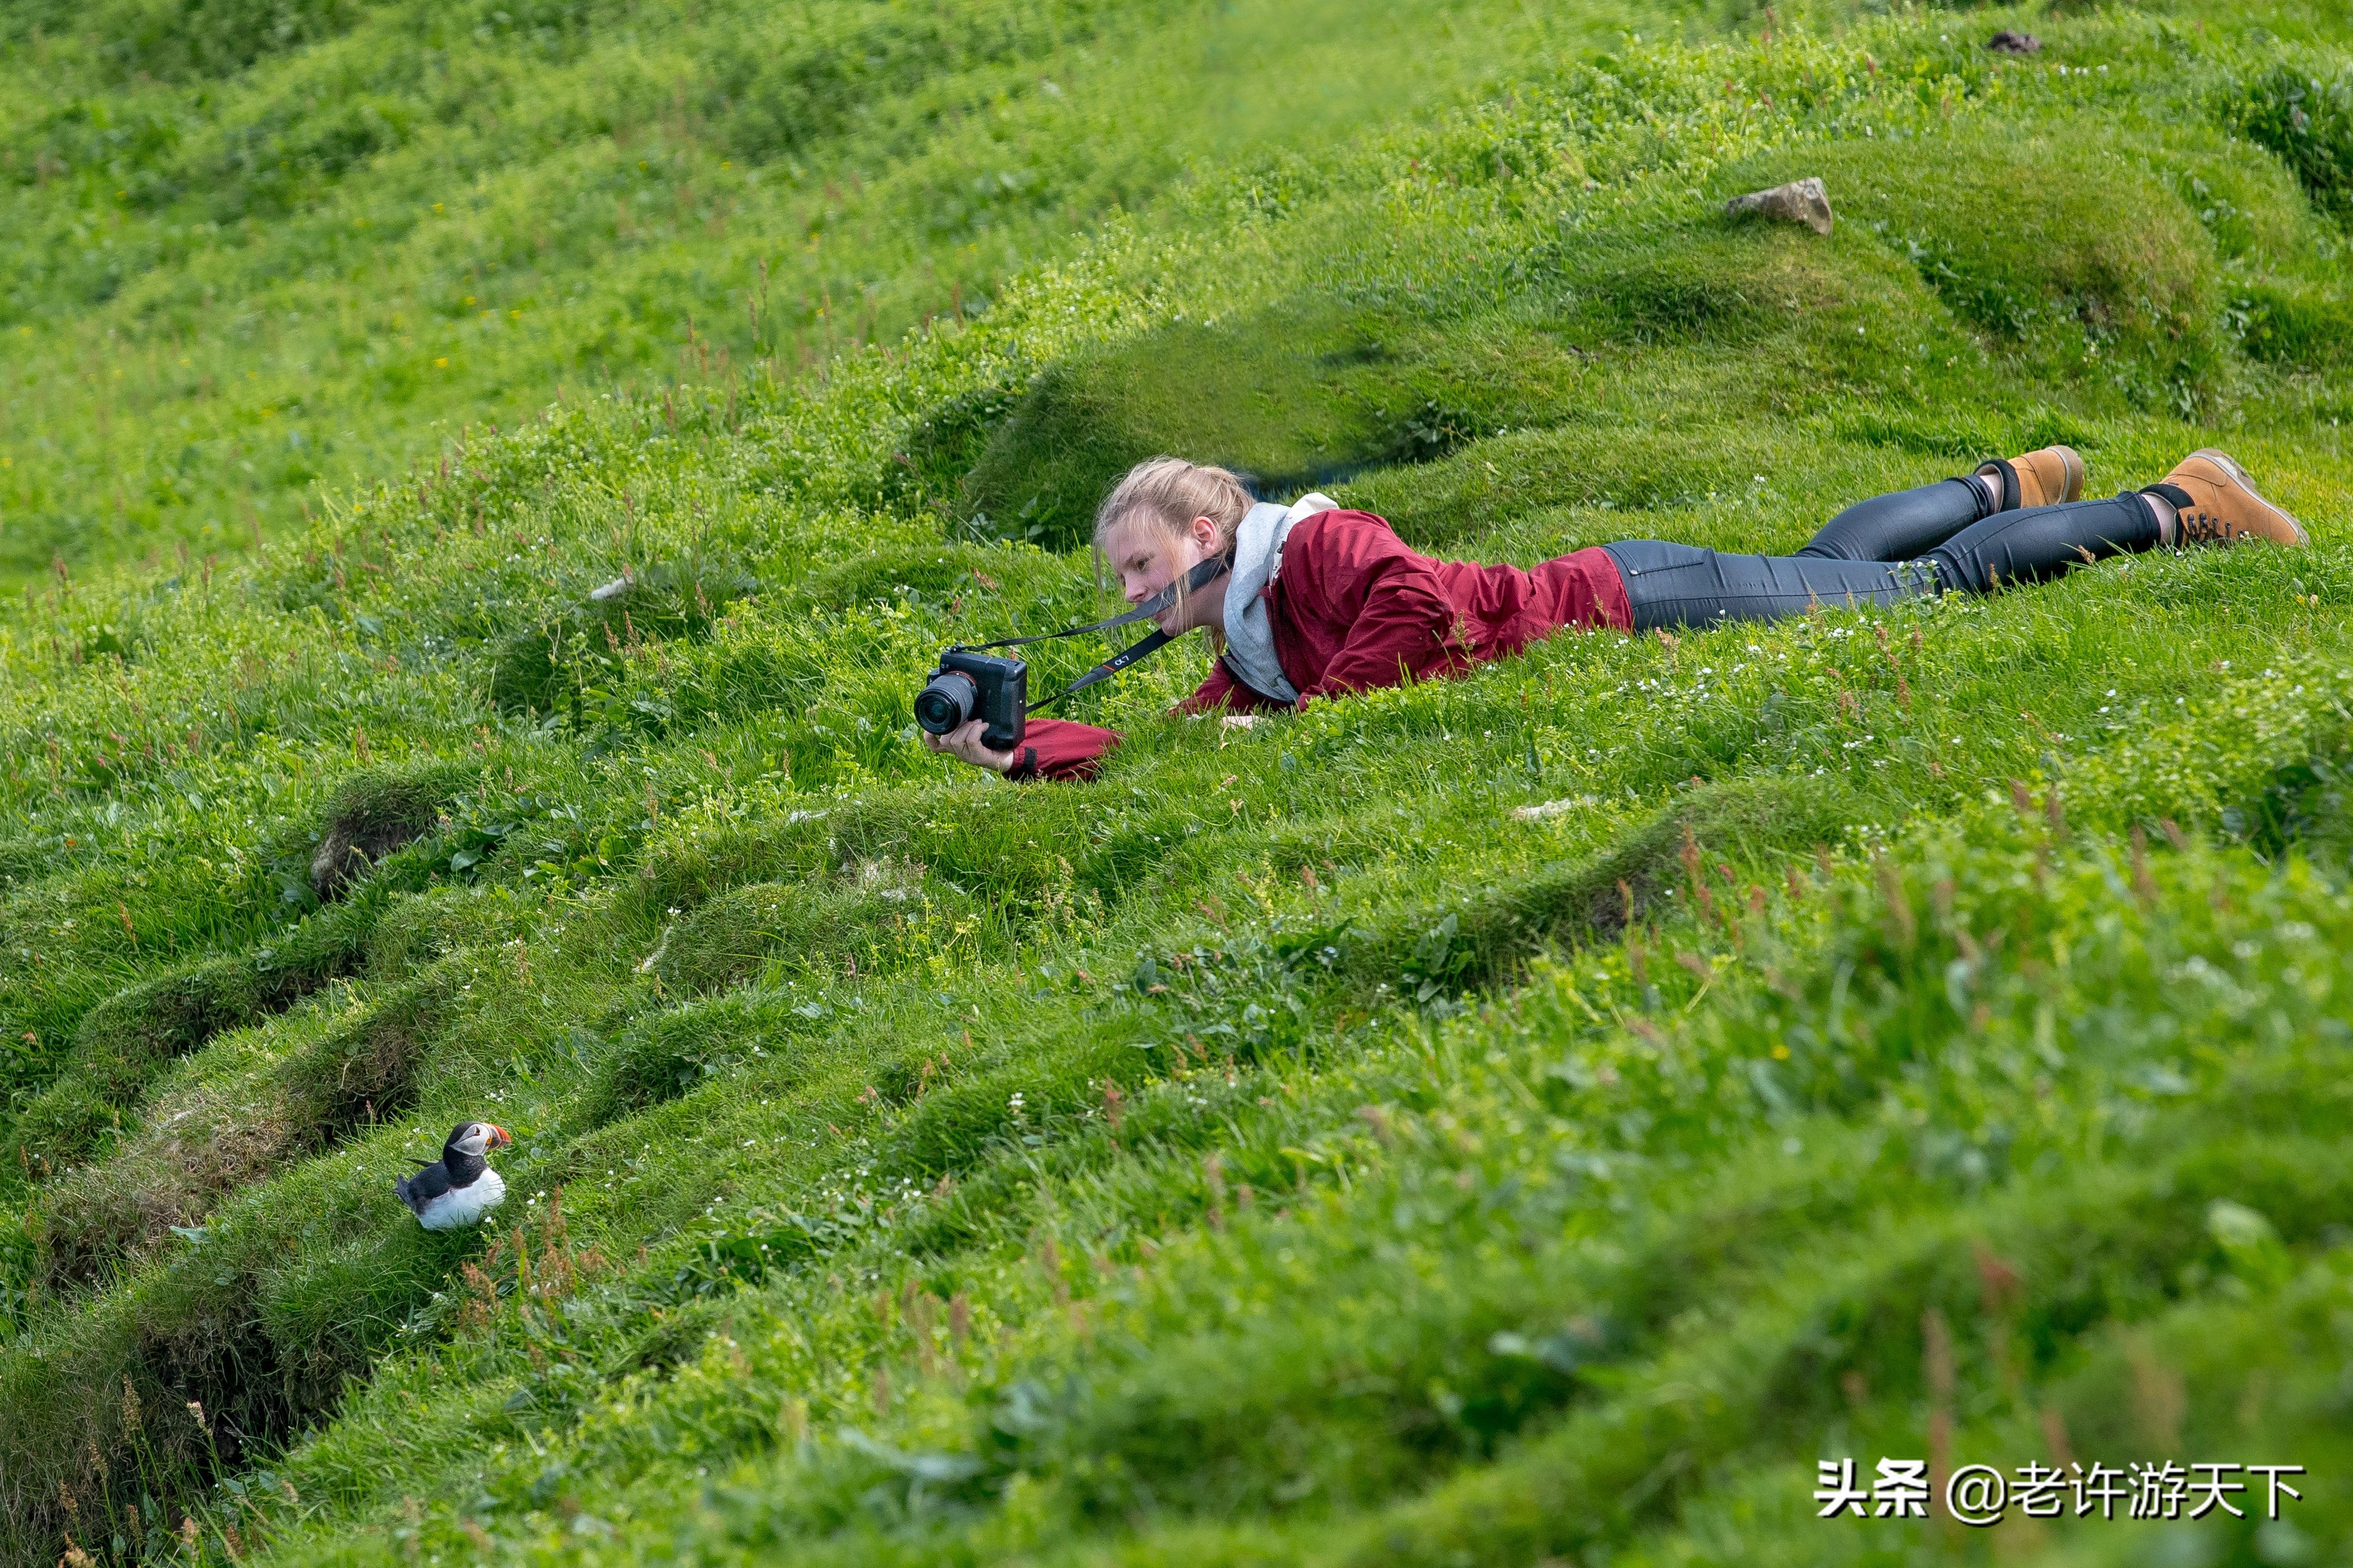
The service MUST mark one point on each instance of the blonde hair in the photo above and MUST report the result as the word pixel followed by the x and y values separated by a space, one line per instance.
pixel 1172 492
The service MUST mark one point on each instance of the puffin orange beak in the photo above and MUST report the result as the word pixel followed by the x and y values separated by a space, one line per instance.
pixel 500 1136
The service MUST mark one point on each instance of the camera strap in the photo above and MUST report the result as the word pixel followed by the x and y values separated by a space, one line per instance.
pixel 1135 653
pixel 1193 582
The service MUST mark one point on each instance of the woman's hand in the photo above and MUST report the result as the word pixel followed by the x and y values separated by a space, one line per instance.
pixel 964 742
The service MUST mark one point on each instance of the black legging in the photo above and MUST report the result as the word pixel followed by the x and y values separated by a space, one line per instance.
pixel 1940 537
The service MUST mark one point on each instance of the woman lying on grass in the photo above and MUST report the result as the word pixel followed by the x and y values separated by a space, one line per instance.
pixel 1318 601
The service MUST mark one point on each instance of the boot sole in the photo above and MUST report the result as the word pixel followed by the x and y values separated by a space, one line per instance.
pixel 2074 460
pixel 2229 465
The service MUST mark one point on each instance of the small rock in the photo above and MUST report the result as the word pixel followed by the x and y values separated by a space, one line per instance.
pixel 2009 43
pixel 1542 809
pixel 1800 201
pixel 350 851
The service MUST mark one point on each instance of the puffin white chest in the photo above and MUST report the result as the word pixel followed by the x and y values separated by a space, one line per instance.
pixel 461 1206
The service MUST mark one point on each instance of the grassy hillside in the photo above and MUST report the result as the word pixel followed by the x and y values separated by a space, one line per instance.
pixel 1532 1118
pixel 249 247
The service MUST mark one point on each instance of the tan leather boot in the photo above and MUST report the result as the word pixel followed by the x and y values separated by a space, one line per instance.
pixel 2044 477
pixel 2215 503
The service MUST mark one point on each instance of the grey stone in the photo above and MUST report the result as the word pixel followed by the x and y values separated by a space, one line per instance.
pixel 1800 201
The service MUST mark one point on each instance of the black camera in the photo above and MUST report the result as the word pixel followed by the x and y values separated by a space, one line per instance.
pixel 968 686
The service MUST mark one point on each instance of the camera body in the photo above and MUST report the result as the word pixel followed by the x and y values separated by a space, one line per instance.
pixel 968 686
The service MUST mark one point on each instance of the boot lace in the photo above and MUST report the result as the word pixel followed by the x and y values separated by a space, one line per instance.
pixel 2203 527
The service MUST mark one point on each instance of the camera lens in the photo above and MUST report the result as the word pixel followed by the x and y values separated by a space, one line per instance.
pixel 947 703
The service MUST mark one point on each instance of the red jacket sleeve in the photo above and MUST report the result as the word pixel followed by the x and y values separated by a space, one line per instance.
pixel 1222 691
pixel 1060 748
pixel 1067 750
pixel 1365 578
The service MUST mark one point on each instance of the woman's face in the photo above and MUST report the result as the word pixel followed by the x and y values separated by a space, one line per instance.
pixel 1148 558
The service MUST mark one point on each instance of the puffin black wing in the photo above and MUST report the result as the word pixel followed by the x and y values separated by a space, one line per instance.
pixel 422 1188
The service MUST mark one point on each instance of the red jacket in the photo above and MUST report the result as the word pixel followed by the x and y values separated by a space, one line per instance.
pixel 1354 608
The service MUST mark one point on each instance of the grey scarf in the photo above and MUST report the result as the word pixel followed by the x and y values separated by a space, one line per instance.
pixel 1258 561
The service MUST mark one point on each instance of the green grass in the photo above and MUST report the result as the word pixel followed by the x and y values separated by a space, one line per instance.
pixel 253 249
pixel 1528 1117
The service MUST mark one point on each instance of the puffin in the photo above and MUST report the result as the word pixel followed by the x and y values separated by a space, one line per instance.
pixel 459 1188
